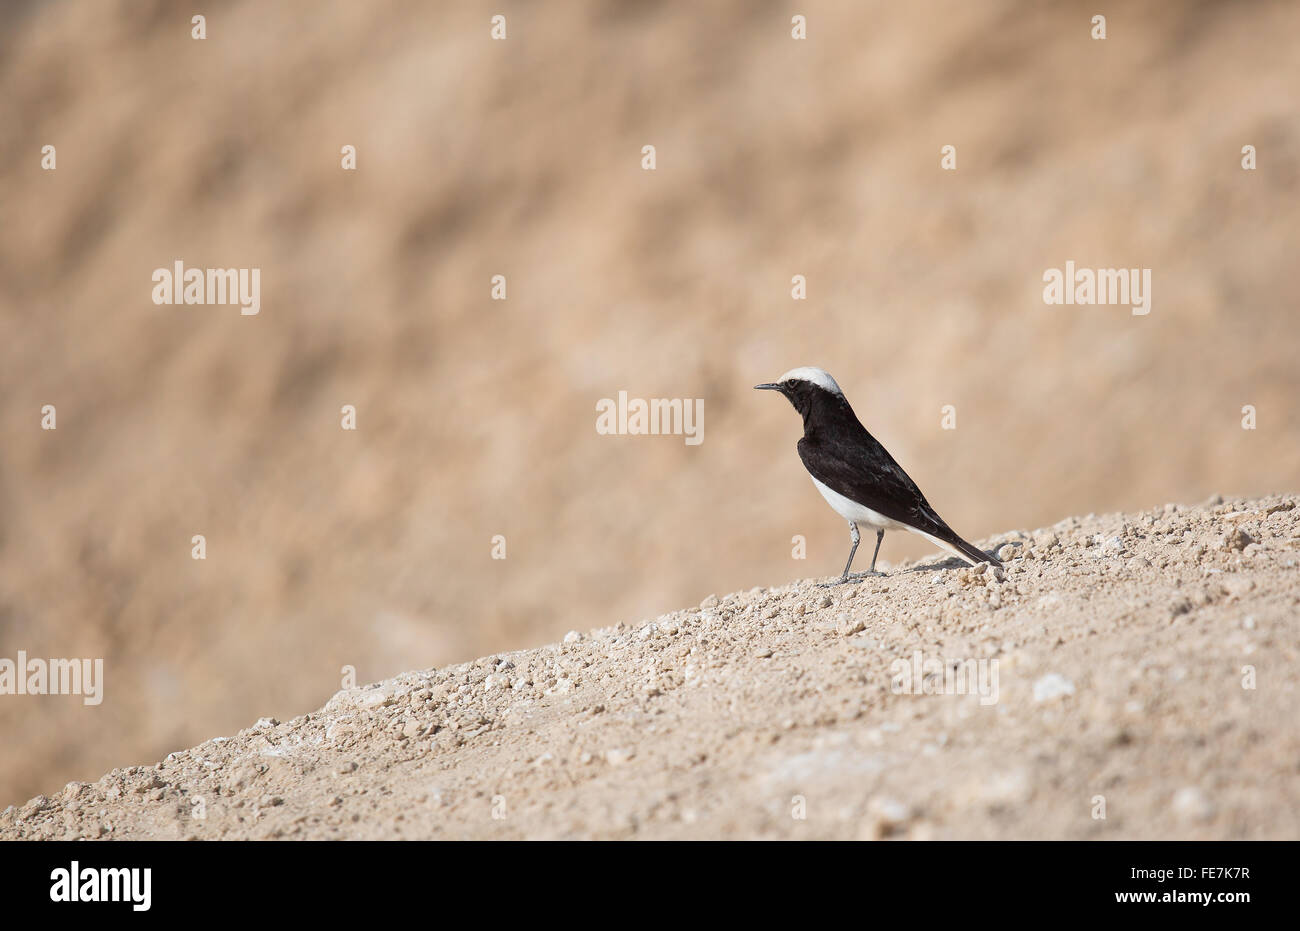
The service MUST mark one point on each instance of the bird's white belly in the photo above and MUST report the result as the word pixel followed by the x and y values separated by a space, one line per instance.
pixel 865 517
pixel 852 511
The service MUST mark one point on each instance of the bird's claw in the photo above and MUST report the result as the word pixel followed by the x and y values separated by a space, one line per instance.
pixel 851 577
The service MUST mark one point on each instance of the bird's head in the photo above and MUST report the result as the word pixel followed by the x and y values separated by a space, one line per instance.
pixel 807 387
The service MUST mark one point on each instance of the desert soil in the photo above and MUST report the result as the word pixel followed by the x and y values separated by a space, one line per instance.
pixel 1126 647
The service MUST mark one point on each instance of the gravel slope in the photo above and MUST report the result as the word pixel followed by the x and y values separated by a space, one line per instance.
pixel 1120 643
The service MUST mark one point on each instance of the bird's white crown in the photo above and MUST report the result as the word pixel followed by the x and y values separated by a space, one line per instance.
pixel 819 377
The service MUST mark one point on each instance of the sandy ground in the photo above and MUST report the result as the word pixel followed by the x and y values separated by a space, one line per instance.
pixel 1124 648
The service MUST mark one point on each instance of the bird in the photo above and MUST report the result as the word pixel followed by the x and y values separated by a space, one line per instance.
pixel 856 475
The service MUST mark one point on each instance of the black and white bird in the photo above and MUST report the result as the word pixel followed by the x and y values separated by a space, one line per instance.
pixel 856 475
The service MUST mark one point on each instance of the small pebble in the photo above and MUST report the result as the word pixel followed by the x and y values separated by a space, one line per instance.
pixel 1052 686
pixel 1191 804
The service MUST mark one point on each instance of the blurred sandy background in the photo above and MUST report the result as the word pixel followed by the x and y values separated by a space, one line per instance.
pixel 522 158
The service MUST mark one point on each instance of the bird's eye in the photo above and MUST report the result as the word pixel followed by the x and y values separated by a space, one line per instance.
pixel 789 382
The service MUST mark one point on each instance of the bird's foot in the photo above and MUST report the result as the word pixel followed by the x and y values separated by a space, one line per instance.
pixel 852 577
pixel 846 579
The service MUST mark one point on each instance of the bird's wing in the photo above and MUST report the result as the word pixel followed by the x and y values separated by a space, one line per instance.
pixel 867 474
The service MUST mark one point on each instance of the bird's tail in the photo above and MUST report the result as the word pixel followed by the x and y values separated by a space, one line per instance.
pixel 961 549
pixel 970 551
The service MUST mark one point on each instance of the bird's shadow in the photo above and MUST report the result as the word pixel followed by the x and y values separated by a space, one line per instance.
pixel 952 562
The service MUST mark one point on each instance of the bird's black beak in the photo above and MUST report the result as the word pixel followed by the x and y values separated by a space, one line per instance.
pixel 768 387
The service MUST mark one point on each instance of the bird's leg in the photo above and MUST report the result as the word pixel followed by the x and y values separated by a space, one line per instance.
pixel 857 538
pixel 880 537
pixel 853 531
